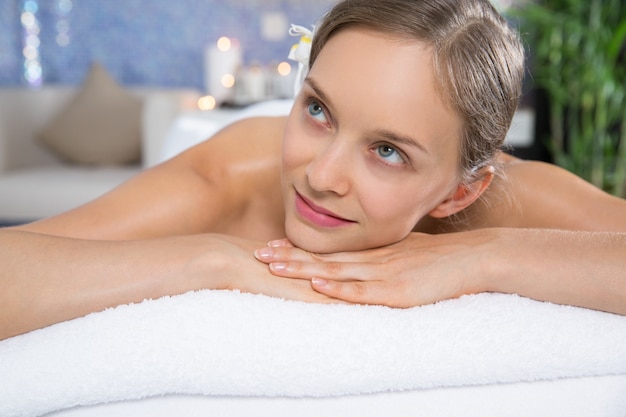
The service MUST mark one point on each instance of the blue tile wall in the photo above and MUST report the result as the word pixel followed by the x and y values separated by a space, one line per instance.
pixel 141 42
pixel 10 43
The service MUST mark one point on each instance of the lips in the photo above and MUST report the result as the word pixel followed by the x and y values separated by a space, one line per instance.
pixel 317 215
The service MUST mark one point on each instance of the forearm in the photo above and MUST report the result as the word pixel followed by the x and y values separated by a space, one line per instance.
pixel 47 279
pixel 576 268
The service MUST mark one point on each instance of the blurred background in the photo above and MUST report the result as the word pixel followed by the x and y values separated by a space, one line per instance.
pixel 140 42
pixel 182 58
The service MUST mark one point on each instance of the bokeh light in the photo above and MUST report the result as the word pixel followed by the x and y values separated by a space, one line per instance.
pixel 224 44
pixel 228 80
pixel 284 68
pixel 33 72
pixel 207 103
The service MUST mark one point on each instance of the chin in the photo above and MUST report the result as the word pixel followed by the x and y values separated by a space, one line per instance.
pixel 316 241
pixel 331 246
pixel 316 245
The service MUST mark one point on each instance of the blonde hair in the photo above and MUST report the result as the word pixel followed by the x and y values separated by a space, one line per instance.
pixel 478 59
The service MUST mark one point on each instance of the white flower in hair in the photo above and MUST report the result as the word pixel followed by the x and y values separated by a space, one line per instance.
pixel 300 53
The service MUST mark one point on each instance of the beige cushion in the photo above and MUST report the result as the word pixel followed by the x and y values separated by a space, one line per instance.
pixel 100 126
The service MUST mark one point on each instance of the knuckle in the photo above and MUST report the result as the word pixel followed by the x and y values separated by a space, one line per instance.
pixel 292 267
pixel 282 253
pixel 359 289
pixel 352 291
pixel 334 268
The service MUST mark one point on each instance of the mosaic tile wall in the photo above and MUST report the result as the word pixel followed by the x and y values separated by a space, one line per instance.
pixel 141 42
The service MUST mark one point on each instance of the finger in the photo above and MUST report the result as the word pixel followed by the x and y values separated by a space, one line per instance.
pixel 357 292
pixel 290 253
pixel 278 243
pixel 329 270
pixel 283 254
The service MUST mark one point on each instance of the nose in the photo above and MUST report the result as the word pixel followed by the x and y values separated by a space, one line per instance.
pixel 330 170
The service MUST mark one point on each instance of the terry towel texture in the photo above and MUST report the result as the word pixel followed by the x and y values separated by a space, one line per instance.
pixel 227 343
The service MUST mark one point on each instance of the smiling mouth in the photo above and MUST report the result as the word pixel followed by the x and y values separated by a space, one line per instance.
pixel 317 215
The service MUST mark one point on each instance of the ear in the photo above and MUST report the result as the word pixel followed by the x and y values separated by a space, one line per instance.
pixel 464 194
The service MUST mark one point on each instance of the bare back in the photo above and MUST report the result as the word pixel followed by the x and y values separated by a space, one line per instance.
pixel 230 184
pixel 534 194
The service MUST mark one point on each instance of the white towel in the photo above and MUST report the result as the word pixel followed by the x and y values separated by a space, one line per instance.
pixel 233 344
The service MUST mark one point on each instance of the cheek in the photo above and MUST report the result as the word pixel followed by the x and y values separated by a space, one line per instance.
pixel 288 146
pixel 395 211
pixel 294 151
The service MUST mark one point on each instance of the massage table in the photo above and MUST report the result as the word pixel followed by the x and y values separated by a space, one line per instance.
pixel 235 354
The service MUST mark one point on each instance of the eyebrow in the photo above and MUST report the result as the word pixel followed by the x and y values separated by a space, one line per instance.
pixel 384 133
pixel 318 90
pixel 401 139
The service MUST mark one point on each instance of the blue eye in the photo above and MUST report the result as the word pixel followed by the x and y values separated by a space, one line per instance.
pixel 316 111
pixel 389 154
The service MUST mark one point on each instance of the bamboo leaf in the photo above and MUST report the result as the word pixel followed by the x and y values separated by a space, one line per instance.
pixel 617 41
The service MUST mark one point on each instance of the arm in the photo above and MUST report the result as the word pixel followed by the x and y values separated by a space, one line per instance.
pixel 144 239
pixel 562 240
pixel 48 279
pixel 199 191
pixel 584 269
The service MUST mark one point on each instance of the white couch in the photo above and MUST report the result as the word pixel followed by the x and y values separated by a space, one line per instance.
pixel 35 183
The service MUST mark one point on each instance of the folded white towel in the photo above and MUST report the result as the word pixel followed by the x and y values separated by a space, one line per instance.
pixel 227 343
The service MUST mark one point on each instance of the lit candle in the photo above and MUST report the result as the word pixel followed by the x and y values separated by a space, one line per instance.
pixel 221 63
pixel 283 79
pixel 255 80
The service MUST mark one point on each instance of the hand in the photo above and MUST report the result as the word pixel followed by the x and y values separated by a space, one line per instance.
pixel 226 262
pixel 421 269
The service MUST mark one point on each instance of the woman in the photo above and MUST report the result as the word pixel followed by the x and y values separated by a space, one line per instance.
pixel 393 140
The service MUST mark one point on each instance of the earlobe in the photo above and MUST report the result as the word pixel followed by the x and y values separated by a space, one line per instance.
pixel 464 194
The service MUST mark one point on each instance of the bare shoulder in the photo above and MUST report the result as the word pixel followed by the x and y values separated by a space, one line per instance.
pixel 239 160
pixel 245 142
pixel 203 189
pixel 539 194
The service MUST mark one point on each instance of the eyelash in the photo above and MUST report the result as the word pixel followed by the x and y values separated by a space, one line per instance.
pixel 376 148
pixel 310 100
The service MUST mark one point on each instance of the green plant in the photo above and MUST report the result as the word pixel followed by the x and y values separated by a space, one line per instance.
pixel 577 58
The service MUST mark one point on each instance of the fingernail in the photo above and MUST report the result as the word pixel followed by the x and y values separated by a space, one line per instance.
pixel 275 243
pixel 264 254
pixel 318 282
pixel 278 266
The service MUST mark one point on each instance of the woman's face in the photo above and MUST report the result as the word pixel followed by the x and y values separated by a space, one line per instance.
pixel 369 148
